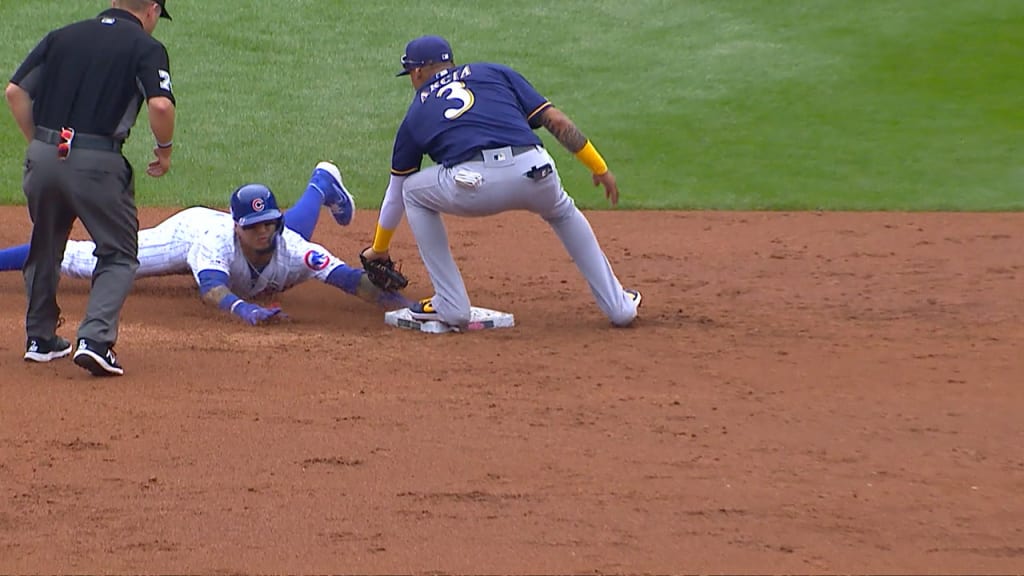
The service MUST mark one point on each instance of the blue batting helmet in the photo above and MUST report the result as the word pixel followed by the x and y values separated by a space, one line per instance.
pixel 252 204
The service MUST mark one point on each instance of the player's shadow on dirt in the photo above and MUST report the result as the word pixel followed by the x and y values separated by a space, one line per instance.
pixel 146 288
pixel 675 319
pixel 155 287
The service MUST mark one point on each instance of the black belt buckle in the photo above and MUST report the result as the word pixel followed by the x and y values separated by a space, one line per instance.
pixel 67 136
pixel 540 172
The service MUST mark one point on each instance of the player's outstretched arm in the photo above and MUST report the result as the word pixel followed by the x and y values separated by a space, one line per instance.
pixel 568 135
pixel 389 299
pixel 357 282
pixel 213 290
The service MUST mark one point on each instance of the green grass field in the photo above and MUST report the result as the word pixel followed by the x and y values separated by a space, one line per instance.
pixel 705 104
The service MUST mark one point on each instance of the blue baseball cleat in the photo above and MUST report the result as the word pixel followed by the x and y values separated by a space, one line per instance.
pixel 327 179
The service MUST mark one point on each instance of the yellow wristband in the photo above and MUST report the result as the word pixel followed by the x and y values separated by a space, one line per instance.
pixel 382 239
pixel 591 158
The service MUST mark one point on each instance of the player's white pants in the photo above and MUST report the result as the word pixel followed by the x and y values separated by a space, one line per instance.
pixel 433 191
pixel 163 250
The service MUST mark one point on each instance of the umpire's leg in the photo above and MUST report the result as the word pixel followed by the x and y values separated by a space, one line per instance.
pixel 104 199
pixel 52 219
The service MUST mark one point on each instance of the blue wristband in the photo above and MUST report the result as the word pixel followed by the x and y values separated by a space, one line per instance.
pixel 228 302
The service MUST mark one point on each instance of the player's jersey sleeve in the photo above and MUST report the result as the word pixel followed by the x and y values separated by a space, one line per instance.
pixel 307 260
pixel 212 249
pixel 392 208
pixel 407 155
pixel 530 101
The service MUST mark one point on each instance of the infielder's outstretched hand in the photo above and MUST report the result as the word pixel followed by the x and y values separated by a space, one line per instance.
pixel 611 189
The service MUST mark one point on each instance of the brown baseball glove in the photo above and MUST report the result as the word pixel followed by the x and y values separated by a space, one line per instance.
pixel 384 274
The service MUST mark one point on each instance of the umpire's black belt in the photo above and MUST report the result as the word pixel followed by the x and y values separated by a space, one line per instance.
pixel 90 141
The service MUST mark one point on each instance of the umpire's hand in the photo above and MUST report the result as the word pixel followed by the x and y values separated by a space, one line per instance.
pixel 162 164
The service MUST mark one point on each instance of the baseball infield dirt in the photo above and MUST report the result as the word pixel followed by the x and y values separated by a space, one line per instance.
pixel 811 392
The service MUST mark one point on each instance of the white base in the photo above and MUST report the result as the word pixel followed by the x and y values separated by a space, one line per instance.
pixel 480 319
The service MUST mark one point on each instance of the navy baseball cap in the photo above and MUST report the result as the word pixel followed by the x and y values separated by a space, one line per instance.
pixel 425 50
pixel 163 8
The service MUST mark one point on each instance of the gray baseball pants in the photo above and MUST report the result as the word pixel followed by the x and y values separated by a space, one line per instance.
pixel 98 188
pixel 504 186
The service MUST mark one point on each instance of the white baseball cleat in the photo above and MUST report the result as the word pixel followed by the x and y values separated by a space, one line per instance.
pixel 636 299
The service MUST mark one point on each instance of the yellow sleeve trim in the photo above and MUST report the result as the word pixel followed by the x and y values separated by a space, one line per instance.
pixel 592 159
pixel 538 110
pixel 404 172
pixel 382 239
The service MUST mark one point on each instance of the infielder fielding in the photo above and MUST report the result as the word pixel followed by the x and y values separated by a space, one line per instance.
pixel 476 122
pixel 252 253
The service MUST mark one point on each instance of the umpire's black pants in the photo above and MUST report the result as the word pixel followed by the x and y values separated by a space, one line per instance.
pixel 98 188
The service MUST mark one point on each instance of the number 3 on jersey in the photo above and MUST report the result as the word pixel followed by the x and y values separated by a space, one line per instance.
pixel 456 92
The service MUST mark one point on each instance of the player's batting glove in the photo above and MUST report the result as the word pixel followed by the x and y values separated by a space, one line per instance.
pixel 254 314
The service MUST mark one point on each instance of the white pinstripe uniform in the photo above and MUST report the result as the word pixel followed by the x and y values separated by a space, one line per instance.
pixel 199 239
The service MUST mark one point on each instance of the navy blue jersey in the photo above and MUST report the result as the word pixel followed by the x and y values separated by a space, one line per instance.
pixel 463 110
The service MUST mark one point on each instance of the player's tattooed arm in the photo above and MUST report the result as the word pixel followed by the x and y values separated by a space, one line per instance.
pixel 570 136
pixel 563 129
pixel 367 290
pixel 214 295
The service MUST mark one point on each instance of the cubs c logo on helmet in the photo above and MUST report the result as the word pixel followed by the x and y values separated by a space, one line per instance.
pixel 316 260
pixel 258 205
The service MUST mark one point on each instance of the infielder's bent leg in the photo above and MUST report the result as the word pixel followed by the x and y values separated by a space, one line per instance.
pixel 506 187
pixel 558 209
pixel 424 201
pixel 579 240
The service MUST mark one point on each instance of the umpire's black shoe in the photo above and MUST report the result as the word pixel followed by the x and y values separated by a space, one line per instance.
pixel 97 358
pixel 40 350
